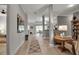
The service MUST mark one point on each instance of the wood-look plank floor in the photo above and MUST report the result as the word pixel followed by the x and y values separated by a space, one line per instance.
pixel 3 46
pixel 46 48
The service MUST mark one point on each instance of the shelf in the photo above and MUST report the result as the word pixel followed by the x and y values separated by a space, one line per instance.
pixel 75 21
pixel 75 28
pixel 76 24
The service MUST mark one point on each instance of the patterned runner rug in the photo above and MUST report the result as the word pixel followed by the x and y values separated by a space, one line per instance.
pixel 34 48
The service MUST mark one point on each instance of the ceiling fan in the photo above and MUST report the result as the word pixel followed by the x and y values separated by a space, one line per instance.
pixel 3 11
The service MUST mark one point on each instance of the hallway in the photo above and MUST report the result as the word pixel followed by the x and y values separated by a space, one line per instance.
pixel 36 45
pixel 39 29
pixel 50 20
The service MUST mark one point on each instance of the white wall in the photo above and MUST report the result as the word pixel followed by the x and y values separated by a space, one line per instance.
pixel 51 25
pixel 66 20
pixel 15 40
pixel 70 18
pixel 26 24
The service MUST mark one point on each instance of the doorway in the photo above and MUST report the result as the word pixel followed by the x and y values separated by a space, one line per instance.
pixel 3 21
pixel 39 30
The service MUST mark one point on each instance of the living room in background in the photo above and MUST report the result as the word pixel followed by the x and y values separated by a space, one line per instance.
pixel 3 20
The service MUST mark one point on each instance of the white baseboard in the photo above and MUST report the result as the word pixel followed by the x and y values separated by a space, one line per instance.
pixel 18 47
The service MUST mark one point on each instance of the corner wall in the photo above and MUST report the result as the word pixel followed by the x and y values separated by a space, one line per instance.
pixel 15 40
pixel 51 25
pixel 66 20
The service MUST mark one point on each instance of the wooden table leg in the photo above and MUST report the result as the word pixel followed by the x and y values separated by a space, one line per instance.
pixel 73 49
pixel 63 47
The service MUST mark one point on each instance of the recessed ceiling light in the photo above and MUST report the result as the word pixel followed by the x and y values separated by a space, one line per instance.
pixel 71 5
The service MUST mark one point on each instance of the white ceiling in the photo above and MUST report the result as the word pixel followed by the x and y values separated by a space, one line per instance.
pixel 3 7
pixel 71 10
pixel 41 8
pixel 31 8
pixel 58 9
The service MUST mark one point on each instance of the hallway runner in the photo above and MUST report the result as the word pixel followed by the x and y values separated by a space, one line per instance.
pixel 34 48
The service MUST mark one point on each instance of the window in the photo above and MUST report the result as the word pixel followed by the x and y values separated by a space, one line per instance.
pixel 39 28
pixel 46 20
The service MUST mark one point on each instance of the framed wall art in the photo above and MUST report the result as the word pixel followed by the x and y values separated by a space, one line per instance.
pixel 20 24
